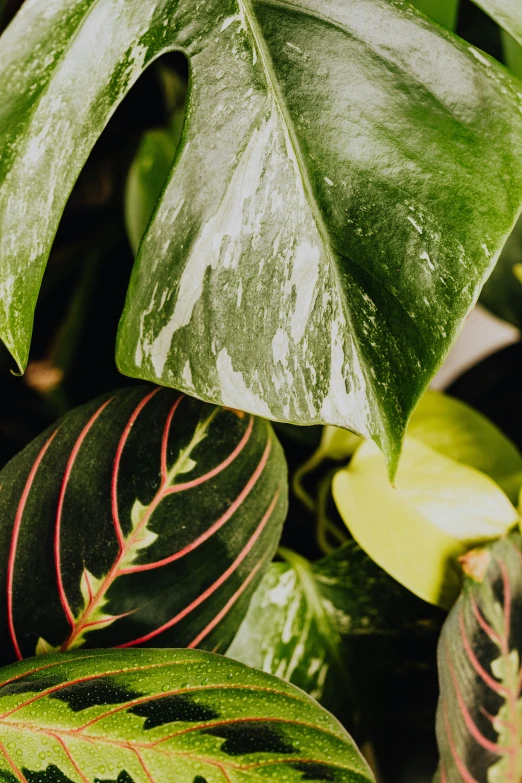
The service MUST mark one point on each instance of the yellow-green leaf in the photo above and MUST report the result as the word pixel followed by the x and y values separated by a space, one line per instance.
pixel 415 530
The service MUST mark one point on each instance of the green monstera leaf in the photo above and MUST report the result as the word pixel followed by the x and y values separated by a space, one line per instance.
pixel 479 721
pixel 308 203
pixel 176 716
pixel 303 615
pixel 146 518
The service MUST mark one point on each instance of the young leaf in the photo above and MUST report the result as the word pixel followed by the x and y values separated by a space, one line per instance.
pixel 146 518
pixel 308 205
pixel 507 13
pixel 173 716
pixel 479 720
pixel 415 530
pixel 302 613
pixel 458 431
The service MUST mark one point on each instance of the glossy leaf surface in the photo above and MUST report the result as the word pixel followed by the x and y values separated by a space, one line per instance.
pixel 142 519
pixel 308 204
pixel 302 614
pixel 415 530
pixel 176 716
pixel 479 722
pixel 507 13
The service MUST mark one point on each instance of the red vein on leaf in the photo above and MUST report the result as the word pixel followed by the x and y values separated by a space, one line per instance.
pixel 195 689
pixel 443 776
pixel 214 528
pixel 142 763
pixel 492 683
pixel 470 725
pixel 86 678
pixel 219 468
pixel 225 610
pixel 235 721
pixel 65 481
pixel 117 460
pixel 18 772
pixel 511 697
pixel 14 543
pixel 165 439
pixel 466 776
pixel 493 635
pixel 116 569
pixel 69 756
pixel 215 586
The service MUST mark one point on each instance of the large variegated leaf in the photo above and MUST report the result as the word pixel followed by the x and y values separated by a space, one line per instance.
pixel 479 722
pixel 347 176
pixel 173 716
pixel 142 519
pixel 507 13
pixel 302 614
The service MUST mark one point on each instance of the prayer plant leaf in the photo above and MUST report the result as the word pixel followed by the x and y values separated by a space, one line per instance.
pixel 164 716
pixel 507 13
pixel 415 530
pixel 308 204
pixel 479 720
pixel 146 518
pixel 302 614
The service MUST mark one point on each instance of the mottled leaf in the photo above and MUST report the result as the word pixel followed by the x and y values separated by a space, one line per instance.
pixel 146 518
pixel 507 13
pixel 173 716
pixel 479 721
pixel 303 614
pixel 308 205
pixel 437 510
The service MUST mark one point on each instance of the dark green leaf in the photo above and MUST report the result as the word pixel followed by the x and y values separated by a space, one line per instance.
pixel 145 518
pixel 302 612
pixel 479 721
pixel 337 194
pixel 176 716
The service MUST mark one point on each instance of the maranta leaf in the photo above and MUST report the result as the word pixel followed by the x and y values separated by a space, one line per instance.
pixel 143 518
pixel 479 721
pixel 308 204
pixel 164 716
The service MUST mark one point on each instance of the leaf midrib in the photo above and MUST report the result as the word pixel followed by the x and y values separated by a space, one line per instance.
pixel 248 13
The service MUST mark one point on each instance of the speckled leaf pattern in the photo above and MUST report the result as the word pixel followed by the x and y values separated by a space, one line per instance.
pixel 507 13
pixel 176 716
pixel 145 518
pixel 302 614
pixel 308 205
pixel 479 721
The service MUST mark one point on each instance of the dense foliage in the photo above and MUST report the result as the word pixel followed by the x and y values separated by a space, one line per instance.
pixel 290 208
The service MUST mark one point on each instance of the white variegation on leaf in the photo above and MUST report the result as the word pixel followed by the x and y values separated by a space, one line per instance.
pixel 302 263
